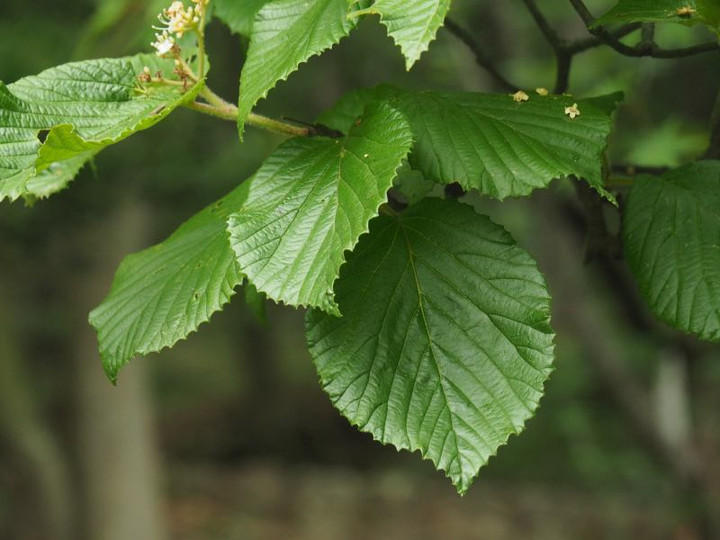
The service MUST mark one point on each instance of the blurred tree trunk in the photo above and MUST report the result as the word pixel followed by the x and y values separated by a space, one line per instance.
pixel 39 453
pixel 116 434
pixel 578 312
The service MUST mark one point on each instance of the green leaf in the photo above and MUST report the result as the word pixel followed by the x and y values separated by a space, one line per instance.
pixel 411 186
pixel 238 15
pixel 256 302
pixel 81 108
pixel 672 244
pixel 311 201
pixel 491 143
pixel 285 34
pixel 445 340
pixel 687 12
pixel 342 115
pixel 163 294
pixel 412 27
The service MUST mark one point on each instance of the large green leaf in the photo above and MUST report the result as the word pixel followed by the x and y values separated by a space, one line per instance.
pixel 412 27
pixel 311 201
pixel 285 34
pixel 680 11
pixel 80 108
pixel 672 243
pixel 445 340
pixel 161 295
pixel 238 14
pixel 491 143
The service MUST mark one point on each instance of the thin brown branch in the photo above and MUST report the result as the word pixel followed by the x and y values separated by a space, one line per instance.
pixel 556 42
pixel 562 55
pixel 564 50
pixel 562 78
pixel 648 35
pixel 584 44
pixel 575 310
pixel 548 31
pixel 644 48
pixel 481 58
pixel 686 462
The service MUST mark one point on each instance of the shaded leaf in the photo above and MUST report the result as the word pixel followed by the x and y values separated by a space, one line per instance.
pixel 163 294
pixel 256 302
pixel 445 341
pixel 411 186
pixel 687 12
pixel 672 244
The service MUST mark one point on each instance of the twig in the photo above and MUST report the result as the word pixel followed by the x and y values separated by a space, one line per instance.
pixel 584 44
pixel 648 35
pixel 548 31
pixel 644 49
pixel 562 55
pixel 600 241
pixel 686 462
pixel 629 393
pixel 481 58
pixel 220 108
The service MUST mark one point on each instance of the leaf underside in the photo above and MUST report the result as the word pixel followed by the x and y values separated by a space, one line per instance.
pixel 445 343
pixel 311 201
pixel 79 108
pixel 491 143
pixel 161 295
pixel 672 244
pixel 689 12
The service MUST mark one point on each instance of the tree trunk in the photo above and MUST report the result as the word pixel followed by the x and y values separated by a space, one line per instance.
pixel 40 455
pixel 116 434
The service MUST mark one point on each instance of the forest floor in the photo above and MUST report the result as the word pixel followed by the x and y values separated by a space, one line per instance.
pixel 268 501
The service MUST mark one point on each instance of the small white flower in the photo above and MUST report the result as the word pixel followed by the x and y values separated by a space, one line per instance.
pixel 164 44
pixel 685 11
pixel 573 112
pixel 520 96
pixel 542 91
pixel 177 19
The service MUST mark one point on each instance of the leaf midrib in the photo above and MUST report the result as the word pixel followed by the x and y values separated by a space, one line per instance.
pixel 426 325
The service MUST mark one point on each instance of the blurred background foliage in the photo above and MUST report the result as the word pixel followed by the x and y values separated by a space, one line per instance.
pixel 228 435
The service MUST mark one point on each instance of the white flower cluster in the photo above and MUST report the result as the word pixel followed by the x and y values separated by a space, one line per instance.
pixel 176 20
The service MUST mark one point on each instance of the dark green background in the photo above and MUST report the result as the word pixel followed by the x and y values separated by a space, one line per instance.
pixel 229 432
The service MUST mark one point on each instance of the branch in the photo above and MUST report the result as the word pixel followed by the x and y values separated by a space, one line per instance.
pixel 219 108
pixel 556 42
pixel 601 243
pixel 576 310
pixel 687 462
pixel 481 58
pixel 581 45
pixel 647 48
pixel 562 55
